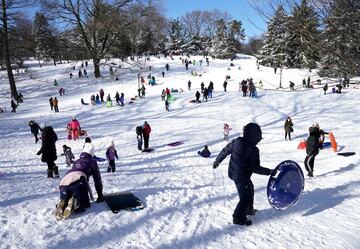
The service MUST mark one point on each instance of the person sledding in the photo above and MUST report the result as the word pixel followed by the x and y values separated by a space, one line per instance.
pixel 74 187
pixel 69 156
pixel 74 129
pixel 205 152
pixel 244 161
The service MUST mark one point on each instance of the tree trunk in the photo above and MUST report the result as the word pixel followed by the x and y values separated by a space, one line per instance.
pixel 6 51
pixel 96 67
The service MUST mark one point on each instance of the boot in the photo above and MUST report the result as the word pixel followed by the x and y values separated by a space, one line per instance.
pixel 252 211
pixel 56 172
pixel 242 223
pixel 69 208
pixel 50 173
pixel 60 210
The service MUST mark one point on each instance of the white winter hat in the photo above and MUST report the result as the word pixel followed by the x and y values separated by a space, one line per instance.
pixel 89 148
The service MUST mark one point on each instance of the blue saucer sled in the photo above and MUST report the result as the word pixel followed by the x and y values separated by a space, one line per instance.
pixel 285 186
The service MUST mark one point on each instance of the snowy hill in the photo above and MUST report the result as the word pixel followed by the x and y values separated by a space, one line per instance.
pixel 187 204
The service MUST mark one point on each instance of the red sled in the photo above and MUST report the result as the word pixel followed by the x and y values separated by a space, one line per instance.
pixel 302 145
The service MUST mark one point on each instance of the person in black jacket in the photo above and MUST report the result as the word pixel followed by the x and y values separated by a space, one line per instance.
pixel 244 161
pixel 205 152
pixel 288 126
pixel 48 151
pixel 34 128
pixel 312 149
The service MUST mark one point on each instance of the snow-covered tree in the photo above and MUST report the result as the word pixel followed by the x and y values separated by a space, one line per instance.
pixel 176 36
pixel 227 39
pixel 340 43
pixel 45 43
pixel 274 52
pixel 303 41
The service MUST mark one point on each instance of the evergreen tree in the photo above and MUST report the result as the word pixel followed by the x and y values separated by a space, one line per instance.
pixel 303 41
pixel 341 50
pixel 176 37
pixel 45 43
pixel 227 40
pixel 275 52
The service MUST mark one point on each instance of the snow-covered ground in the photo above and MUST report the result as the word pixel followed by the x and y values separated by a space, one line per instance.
pixel 188 205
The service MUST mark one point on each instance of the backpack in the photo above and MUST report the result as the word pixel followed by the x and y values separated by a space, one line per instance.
pixel 139 130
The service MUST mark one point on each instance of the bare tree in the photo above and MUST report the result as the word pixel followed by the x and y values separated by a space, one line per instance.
pixel 99 22
pixel 8 11
pixel 194 22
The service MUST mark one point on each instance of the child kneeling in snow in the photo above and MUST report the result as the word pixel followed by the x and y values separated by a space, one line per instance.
pixel 68 155
pixel 205 152
pixel 74 186
pixel 111 154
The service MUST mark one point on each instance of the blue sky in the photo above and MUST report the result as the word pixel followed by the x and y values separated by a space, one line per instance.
pixel 238 9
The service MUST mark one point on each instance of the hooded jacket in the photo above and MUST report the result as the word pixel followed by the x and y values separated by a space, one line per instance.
pixel 244 159
pixel 89 167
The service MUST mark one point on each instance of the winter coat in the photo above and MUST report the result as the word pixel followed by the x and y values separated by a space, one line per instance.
pixel 102 93
pixel 89 167
pixel 252 87
pixel 74 125
pixel 117 97
pixel 146 130
pixel 51 101
pixel 111 154
pixel 288 126
pixel 226 129
pixel 312 144
pixel 48 148
pixel 245 158
pixel 197 95
pixel 34 127
pixel 122 98
pixel 55 102
pixel 69 156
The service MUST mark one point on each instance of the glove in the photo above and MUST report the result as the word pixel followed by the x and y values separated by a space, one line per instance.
pixel 39 153
pixel 100 198
pixel 215 165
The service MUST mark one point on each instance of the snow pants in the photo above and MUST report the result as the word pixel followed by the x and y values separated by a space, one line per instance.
pixel 246 203
pixel 75 134
pixel 52 169
pixel 78 190
pixel 146 142
pixel 309 162
pixel 111 167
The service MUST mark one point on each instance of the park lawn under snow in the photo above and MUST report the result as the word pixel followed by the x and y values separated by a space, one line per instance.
pixel 187 204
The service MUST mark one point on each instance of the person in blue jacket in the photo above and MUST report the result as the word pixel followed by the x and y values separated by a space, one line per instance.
pixel 244 161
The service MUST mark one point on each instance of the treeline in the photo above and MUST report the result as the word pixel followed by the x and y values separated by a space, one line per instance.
pixel 306 39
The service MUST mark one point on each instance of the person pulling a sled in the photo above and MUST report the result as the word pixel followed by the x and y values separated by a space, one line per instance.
pixel 244 161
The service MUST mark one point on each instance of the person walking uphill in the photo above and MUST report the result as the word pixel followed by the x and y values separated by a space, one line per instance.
pixel 244 161
pixel 56 104
pixel 48 151
pixel 146 134
pixel 75 128
pixel 288 126
pixel 74 186
pixel 34 128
